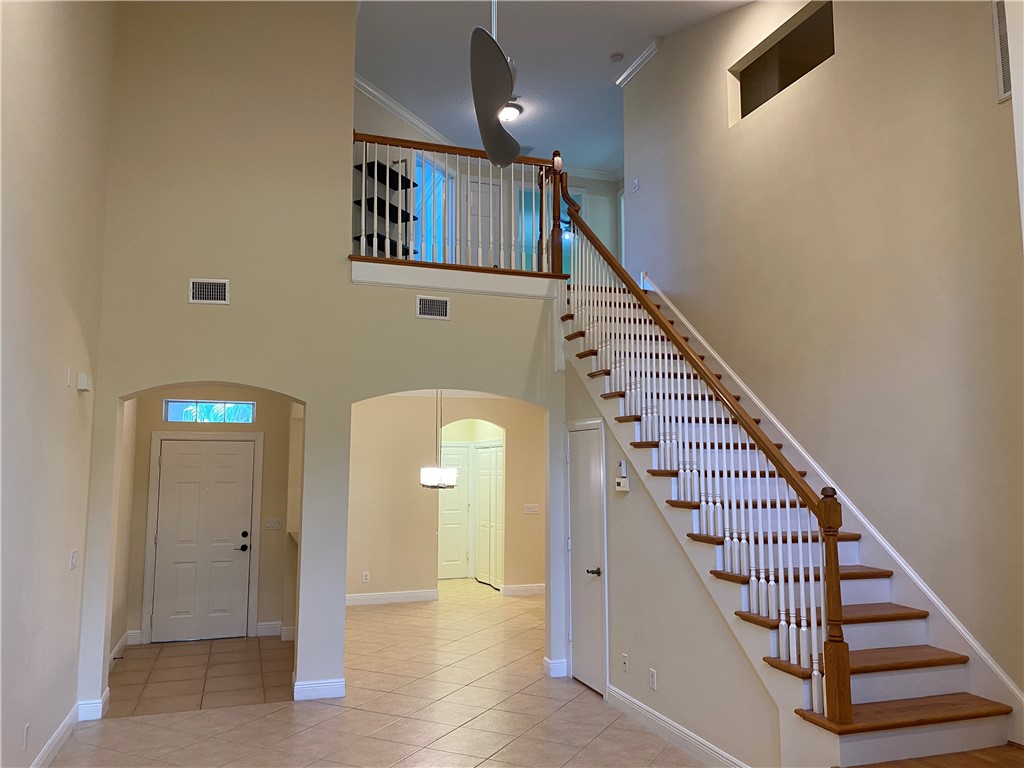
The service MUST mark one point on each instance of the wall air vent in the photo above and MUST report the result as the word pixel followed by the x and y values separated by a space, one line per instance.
pixel 433 308
pixel 1002 50
pixel 203 291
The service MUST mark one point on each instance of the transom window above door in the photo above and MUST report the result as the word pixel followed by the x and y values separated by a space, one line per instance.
pixel 210 411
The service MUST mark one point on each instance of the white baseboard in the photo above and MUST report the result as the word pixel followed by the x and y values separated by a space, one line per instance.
pixel 376 598
pixel 56 741
pixel 118 648
pixel 671 731
pixel 522 590
pixel 133 637
pixel 318 689
pixel 268 629
pixel 287 633
pixel 556 667
pixel 94 708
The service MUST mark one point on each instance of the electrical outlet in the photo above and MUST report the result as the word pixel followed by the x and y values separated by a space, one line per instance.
pixel 366 577
pixel 24 738
pixel 654 678
pixel 625 663
pixel 73 560
pixel 531 509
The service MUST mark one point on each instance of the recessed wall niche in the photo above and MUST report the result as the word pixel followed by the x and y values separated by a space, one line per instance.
pixel 785 56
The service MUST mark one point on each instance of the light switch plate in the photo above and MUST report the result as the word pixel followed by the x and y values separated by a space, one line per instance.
pixel 531 509
pixel 273 524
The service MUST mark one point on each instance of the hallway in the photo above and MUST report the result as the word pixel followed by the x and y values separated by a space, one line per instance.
pixel 457 682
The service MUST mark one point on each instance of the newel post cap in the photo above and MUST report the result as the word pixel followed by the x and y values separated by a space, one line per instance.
pixel 828 492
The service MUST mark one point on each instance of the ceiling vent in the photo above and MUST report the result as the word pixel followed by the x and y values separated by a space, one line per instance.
pixel 1002 50
pixel 203 291
pixel 433 308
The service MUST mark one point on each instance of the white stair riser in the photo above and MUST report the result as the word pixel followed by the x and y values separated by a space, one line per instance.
pixel 911 683
pixel 903 743
pixel 849 553
pixel 770 487
pixel 885 634
pixel 866 590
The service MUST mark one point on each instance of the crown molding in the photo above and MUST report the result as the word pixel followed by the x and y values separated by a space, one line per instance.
pixel 639 62
pixel 405 115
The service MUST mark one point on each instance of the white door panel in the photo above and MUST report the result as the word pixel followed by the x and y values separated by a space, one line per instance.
pixel 201 586
pixel 453 517
pixel 587 529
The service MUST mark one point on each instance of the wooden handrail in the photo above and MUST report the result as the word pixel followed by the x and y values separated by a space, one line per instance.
pixel 782 464
pixel 426 146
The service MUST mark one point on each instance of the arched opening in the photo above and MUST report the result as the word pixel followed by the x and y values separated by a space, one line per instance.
pixel 207 498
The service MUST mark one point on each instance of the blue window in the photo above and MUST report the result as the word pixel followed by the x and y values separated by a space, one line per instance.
pixel 210 411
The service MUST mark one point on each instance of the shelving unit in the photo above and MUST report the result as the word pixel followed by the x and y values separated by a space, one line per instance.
pixel 388 234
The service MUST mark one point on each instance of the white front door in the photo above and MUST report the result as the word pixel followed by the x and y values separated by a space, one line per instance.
pixel 587 577
pixel 204 515
pixel 453 517
pixel 489 509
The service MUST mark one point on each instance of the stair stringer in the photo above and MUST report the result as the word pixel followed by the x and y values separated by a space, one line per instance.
pixel 985 677
pixel 802 744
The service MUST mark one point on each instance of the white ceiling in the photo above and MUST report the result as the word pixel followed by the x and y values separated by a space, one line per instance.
pixel 418 54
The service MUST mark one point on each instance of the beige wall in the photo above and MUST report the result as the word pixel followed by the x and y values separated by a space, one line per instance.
pixel 273 414
pixel 125 460
pixel 661 615
pixel 230 158
pixel 471 431
pixel 602 213
pixel 853 249
pixel 56 85
pixel 393 520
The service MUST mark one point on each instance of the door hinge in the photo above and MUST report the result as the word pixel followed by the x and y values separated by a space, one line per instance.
pixel 568 544
pixel 154 539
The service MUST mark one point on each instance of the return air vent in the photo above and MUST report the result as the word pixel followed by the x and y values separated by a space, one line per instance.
pixel 1002 50
pixel 433 308
pixel 202 291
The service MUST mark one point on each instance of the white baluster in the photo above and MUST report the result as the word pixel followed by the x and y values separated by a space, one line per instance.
pixel 804 634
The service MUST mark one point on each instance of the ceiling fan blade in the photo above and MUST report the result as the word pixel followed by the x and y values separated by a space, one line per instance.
pixel 493 77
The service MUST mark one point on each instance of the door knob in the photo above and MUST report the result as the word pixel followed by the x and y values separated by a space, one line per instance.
pixel 594 571
pixel 243 548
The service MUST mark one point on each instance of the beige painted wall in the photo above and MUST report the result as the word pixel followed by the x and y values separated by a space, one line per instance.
pixel 393 520
pixel 853 249
pixel 56 86
pixel 125 459
pixel 661 615
pixel 471 431
pixel 602 208
pixel 273 416
pixel 230 158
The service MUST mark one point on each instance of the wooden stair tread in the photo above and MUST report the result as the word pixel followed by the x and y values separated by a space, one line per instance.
pixel 712 473
pixel 1008 755
pixel 846 573
pixel 909 713
pixel 788 536
pixel 858 613
pixel 882 660
pixel 575 335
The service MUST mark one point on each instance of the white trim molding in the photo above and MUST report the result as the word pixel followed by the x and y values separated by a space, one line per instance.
pixel 848 505
pixel 287 633
pixel 408 275
pixel 378 598
pixel 95 708
pixel 522 590
pixel 268 629
pixel 118 648
pixel 56 741
pixel 133 637
pixel 556 667
pixel 318 689
pixel 404 114
pixel 671 731
pixel 639 62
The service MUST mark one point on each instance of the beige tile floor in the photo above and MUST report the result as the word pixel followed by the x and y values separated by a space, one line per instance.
pixel 452 683
pixel 205 674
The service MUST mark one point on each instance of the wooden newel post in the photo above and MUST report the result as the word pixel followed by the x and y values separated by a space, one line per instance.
pixel 556 213
pixel 838 700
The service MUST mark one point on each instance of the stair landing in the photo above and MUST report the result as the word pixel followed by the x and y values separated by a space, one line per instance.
pixel 1009 755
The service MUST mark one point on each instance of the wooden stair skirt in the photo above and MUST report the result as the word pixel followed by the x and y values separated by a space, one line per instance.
pixel 899 661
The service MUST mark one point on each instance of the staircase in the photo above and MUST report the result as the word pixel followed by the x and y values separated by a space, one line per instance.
pixel 859 665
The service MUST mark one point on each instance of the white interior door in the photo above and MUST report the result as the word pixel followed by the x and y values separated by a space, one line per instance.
pixel 482 204
pixel 453 517
pixel 204 516
pixel 588 640
pixel 489 512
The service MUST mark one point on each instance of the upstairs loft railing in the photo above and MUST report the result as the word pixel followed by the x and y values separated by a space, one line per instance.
pixel 777 535
pixel 436 204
